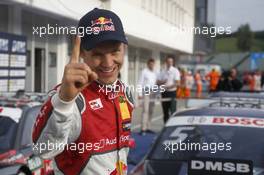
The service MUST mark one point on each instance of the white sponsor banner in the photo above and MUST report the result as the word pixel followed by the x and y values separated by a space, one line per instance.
pixel 216 120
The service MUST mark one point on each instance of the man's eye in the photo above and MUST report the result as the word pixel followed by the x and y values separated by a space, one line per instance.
pixel 96 54
pixel 115 52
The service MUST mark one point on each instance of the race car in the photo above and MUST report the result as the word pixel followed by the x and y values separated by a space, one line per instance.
pixel 16 155
pixel 229 99
pixel 238 95
pixel 208 141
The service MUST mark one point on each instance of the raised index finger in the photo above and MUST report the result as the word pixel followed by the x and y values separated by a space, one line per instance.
pixel 76 50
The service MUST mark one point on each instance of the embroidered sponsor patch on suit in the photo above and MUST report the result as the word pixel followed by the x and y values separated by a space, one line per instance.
pixel 126 126
pixel 96 104
pixel 125 114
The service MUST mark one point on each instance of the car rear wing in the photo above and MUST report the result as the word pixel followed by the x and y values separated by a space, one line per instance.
pixel 230 102
pixel 238 95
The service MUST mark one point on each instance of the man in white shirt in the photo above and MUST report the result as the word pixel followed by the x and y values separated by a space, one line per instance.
pixel 170 79
pixel 147 81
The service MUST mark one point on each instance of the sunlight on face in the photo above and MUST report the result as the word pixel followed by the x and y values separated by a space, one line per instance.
pixel 106 59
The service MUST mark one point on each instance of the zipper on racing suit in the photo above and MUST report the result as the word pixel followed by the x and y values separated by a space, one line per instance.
pixel 119 168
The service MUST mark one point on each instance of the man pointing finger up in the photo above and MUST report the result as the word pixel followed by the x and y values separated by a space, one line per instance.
pixel 81 112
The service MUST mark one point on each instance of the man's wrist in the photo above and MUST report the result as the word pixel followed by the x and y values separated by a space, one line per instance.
pixel 61 105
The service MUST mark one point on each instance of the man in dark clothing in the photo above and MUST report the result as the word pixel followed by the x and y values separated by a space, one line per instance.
pixel 229 82
pixel 236 84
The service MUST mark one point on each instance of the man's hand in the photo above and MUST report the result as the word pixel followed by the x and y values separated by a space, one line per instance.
pixel 161 82
pixel 76 75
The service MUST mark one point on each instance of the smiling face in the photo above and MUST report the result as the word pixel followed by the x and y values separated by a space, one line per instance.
pixel 106 59
pixel 151 65
pixel 169 62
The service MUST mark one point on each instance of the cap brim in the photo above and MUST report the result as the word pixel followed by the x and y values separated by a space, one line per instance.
pixel 88 45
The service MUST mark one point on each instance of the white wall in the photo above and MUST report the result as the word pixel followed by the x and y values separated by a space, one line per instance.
pixel 139 22
pixel 68 8
pixel 145 28
pixel 145 25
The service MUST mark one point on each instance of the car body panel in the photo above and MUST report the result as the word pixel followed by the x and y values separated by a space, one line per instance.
pixel 19 153
pixel 238 127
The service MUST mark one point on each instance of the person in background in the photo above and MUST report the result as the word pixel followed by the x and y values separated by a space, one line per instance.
pixel 20 94
pixel 147 81
pixel 251 82
pixel 257 81
pixel 223 83
pixel 170 79
pixel 236 84
pixel 262 79
pixel 198 83
pixel 246 80
pixel 229 82
pixel 213 78
pixel 180 92
pixel 189 84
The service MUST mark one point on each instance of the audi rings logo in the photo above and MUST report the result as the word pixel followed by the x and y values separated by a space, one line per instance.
pixel 196 120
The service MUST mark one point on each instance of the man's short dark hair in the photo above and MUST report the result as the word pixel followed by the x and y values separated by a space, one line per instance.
pixel 151 60
pixel 170 57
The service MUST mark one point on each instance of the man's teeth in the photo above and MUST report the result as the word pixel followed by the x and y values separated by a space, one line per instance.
pixel 107 71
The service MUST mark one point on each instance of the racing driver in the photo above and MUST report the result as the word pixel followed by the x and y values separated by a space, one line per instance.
pixel 85 125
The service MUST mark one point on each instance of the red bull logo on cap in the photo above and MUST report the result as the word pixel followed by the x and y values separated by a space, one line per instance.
pixel 103 24
pixel 121 169
pixel 101 21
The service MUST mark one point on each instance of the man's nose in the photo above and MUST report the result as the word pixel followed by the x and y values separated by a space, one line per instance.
pixel 107 61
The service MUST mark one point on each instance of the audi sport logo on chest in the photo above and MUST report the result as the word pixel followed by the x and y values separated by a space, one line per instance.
pixel 215 166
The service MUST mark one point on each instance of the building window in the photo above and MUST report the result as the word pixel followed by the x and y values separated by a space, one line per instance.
pixel 167 11
pixel 183 14
pixel 180 16
pixel 144 55
pixel 156 11
pixel 161 9
pixel 171 12
pixel 52 59
pixel 143 4
pixel 174 13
